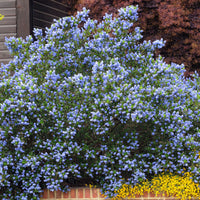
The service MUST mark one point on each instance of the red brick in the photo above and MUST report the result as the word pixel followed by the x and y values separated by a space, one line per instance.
pixel 145 195
pixel 66 194
pixel 80 193
pixel 87 192
pixel 158 195
pixel 95 192
pixel 73 193
pixel 51 194
pixel 162 194
pixel 58 194
pixel 152 194
pixel 138 196
pixel 44 194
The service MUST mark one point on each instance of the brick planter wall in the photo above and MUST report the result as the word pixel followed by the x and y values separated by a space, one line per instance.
pixel 86 193
pixel 74 193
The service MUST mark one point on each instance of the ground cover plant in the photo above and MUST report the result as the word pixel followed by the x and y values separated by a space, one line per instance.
pixel 88 102
pixel 168 185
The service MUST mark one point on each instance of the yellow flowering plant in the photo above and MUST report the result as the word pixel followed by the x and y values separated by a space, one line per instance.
pixel 1 17
pixel 181 187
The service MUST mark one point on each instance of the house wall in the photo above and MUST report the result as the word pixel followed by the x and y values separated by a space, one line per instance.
pixel 43 12
pixel 7 26
pixel 21 16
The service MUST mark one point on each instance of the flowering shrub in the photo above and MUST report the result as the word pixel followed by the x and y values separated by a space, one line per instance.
pixel 178 186
pixel 90 101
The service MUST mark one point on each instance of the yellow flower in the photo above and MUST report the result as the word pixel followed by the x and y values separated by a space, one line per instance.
pixel 180 186
pixel 1 17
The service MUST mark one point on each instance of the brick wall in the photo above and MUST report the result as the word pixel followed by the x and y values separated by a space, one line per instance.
pixel 86 193
pixel 74 193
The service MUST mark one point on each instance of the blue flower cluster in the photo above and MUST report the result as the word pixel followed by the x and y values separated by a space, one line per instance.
pixel 89 101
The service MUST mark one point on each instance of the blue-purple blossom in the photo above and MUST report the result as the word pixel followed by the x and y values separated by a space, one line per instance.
pixel 90 101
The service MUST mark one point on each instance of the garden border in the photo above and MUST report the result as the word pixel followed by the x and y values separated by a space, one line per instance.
pixel 92 193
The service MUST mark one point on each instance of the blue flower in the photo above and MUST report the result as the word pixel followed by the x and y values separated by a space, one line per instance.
pixel 90 99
